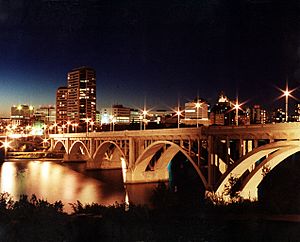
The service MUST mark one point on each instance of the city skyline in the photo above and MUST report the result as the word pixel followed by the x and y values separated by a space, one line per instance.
pixel 158 51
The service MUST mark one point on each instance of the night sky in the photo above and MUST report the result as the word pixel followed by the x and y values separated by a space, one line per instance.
pixel 150 50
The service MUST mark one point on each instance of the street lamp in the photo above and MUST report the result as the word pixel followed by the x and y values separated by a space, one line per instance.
pixel 178 113
pixel 141 122
pixel 68 125
pixel 5 145
pixel 198 105
pixel 87 120
pixel 113 123
pixel 92 125
pixel 55 127
pixel 287 94
pixel 45 130
pixel 237 106
pixel 144 118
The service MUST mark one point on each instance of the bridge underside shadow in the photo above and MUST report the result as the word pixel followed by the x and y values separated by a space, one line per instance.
pixel 107 156
pixel 152 165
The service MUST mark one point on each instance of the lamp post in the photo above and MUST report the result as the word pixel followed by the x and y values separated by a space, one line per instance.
pixel 198 105
pixel 178 112
pixel 87 120
pixel 113 123
pixel 5 145
pixel 144 118
pixel 55 127
pixel 236 107
pixel 141 122
pixel 45 130
pixel 92 125
pixel 63 128
pixel 286 93
pixel 68 126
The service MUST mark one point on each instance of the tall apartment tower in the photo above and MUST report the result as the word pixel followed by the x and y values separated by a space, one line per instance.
pixel 81 94
pixel 61 105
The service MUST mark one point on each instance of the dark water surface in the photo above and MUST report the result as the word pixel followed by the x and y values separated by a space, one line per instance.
pixel 54 181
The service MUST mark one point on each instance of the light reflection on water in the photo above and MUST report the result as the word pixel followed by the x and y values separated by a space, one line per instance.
pixel 54 182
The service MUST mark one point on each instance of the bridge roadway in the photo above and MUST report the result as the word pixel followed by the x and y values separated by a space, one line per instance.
pixel 216 152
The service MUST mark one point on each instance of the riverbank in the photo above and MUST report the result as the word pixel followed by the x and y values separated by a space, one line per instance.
pixel 34 155
pixel 33 219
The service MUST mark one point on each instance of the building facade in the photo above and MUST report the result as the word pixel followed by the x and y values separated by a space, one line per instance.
pixel 117 114
pixel 45 114
pixel 258 115
pixel 81 100
pixel 21 115
pixel 61 105
pixel 196 112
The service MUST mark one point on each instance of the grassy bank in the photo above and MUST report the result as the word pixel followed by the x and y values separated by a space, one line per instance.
pixel 172 218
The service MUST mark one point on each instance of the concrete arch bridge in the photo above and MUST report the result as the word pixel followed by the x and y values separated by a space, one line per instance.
pixel 215 152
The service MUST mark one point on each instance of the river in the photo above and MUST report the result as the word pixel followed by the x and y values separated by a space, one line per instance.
pixel 54 181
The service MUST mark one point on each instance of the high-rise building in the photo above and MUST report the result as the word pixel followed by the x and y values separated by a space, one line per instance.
pixel 61 105
pixel 81 102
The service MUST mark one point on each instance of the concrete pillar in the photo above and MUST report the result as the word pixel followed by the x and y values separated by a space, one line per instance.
pixel 67 145
pixel 249 146
pixel 92 147
pixel 52 144
pixel 132 153
pixel 241 148
pixel 199 144
pixel 227 150
pixel 245 147
pixel 211 162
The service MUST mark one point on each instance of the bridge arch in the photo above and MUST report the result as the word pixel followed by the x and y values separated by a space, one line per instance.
pixel 274 153
pixel 79 148
pixel 167 155
pixel 59 145
pixel 101 151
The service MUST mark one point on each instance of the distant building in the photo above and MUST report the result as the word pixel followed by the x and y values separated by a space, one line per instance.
pixel 258 115
pixel 196 112
pixel 117 114
pixel 21 114
pixel 296 116
pixel 81 98
pixel 224 113
pixel 61 105
pixel 278 116
pixel 135 116
pixel 45 114
pixel 159 116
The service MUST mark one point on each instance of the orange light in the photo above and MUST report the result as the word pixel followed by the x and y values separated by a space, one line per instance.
pixel 198 105
pixel 6 144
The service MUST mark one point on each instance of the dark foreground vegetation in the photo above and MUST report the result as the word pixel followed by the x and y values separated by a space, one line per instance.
pixel 174 217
